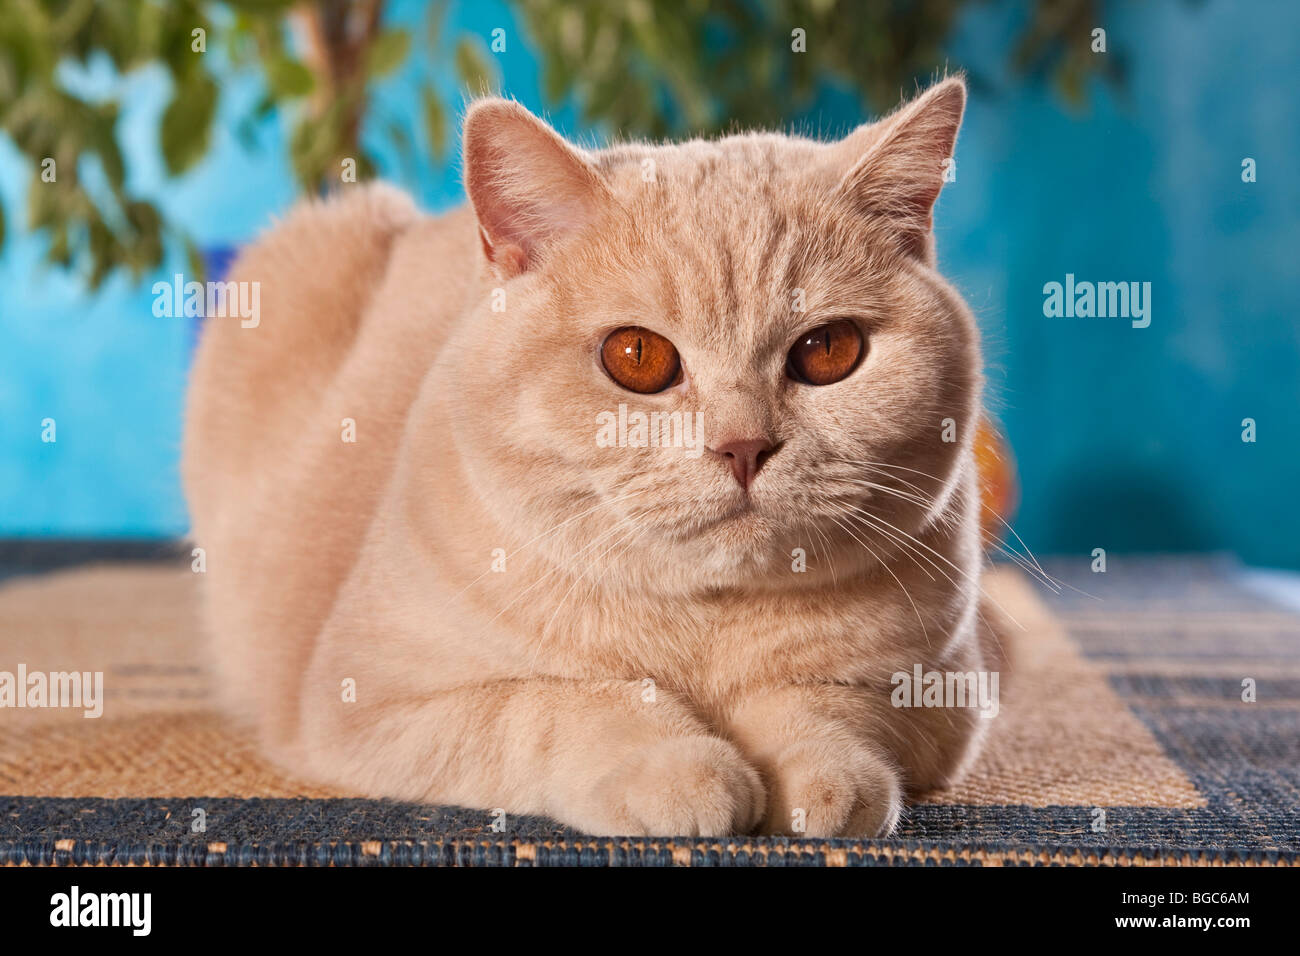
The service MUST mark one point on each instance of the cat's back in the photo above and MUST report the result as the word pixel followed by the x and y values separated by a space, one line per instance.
pixel 293 424
pixel 318 277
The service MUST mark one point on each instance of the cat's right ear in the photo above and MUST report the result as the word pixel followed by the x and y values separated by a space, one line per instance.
pixel 528 186
pixel 899 164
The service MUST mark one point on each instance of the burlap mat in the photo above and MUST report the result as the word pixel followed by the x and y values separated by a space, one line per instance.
pixel 1063 737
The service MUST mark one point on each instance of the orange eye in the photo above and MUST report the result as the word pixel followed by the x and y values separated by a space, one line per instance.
pixel 826 354
pixel 641 360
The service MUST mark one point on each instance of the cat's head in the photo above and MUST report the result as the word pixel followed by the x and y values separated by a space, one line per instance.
pixel 777 292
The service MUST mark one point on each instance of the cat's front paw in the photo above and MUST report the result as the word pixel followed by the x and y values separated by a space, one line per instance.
pixel 827 789
pixel 680 786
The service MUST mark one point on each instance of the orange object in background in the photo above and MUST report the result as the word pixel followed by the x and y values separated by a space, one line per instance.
pixel 999 491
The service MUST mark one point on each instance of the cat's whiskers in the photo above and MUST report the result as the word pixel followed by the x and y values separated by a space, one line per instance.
pixel 990 543
pixel 881 467
pixel 1033 571
pixel 863 517
pixel 830 560
pixel 866 519
pixel 922 500
pixel 890 572
pixel 974 578
pixel 1033 567
pixel 854 512
pixel 909 543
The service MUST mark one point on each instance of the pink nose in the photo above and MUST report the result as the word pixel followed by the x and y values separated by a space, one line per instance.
pixel 745 457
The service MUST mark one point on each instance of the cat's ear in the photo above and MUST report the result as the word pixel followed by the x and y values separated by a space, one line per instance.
pixel 897 166
pixel 529 188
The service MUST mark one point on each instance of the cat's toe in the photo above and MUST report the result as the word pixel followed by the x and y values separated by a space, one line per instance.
pixel 819 789
pixel 683 786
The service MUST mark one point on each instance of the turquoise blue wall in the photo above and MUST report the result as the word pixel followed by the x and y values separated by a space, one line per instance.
pixel 1127 439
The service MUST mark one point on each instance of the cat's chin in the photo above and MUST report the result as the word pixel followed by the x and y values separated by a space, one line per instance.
pixel 743 540
pixel 741 524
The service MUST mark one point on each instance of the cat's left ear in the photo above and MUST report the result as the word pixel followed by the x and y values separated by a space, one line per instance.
pixel 528 186
pixel 898 164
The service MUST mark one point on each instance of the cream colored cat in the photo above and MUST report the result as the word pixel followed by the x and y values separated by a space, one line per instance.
pixel 429 578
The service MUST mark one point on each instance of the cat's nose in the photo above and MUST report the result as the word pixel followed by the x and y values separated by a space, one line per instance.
pixel 745 456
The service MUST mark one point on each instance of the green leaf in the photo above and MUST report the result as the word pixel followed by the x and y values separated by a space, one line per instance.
pixel 194 257
pixel 287 78
pixel 437 12
pixel 42 203
pixel 435 122
pixel 143 217
pixel 187 122
pixel 304 153
pixel 110 156
pixel 60 251
pixel 387 51
pixel 473 65
pixel 315 147
pixel 102 247
pixel 557 79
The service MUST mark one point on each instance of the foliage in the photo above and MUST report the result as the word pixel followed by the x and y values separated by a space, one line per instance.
pixel 645 68
pixel 318 61
pixel 712 65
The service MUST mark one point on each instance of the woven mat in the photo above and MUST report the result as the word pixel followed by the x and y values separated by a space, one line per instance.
pixel 1124 739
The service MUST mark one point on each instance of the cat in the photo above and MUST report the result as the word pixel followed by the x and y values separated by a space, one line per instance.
pixel 428 580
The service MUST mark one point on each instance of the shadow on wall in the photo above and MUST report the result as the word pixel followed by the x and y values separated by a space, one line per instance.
pixel 1133 500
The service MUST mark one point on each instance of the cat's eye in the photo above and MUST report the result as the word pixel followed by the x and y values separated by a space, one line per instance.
pixel 641 360
pixel 826 354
